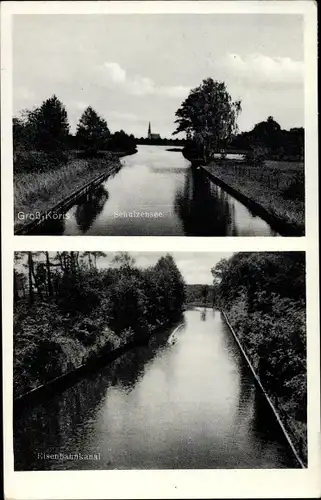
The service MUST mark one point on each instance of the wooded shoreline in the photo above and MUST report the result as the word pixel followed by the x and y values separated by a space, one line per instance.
pixel 100 360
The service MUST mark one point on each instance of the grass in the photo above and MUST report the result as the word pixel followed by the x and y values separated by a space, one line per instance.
pixel 278 186
pixel 41 191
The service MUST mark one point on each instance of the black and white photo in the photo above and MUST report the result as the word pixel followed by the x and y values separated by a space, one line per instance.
pixel 160 290
pixel 199 133
pixel 157 361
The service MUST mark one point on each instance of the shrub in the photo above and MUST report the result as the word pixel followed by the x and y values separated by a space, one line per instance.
pixel 38 161
pixel 257 155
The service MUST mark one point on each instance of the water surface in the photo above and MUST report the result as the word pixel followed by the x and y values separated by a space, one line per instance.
pixel 158 193
pixel 184 401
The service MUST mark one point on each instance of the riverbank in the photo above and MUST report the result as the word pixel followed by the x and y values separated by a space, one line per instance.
pixel 263 296
pixel 170 398
pixel 36 193
pixel 81 361
pixel 44 351
pixel 288 399
pixel 274 190
pixel 270 399
pixel 69 312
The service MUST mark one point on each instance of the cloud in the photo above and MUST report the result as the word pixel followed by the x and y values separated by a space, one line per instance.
pixel 80 105
pixel 115 71
pixel 139 85
pixel 130 117
pixel 258 68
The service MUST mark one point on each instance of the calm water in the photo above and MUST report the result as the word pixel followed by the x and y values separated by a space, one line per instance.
pixel 162 181
pixel 184 401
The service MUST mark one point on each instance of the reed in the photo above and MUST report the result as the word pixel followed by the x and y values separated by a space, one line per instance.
pixel 40 191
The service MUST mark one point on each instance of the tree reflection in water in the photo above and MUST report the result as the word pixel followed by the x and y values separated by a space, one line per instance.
pixel 59 423
pixel 51 426
pixel 203 208
pixel 90 207
pixel 53 225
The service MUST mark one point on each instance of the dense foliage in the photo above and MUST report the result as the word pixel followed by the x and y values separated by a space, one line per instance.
pixel 42 138
pixel 267 140
pixel 208 116
pixel 120 141
pixel 44 128
pixel 263 295
pixel 199 295
pixel 92 132
pixel 68 308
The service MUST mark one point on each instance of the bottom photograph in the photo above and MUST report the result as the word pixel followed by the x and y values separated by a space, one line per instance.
pixel 155 360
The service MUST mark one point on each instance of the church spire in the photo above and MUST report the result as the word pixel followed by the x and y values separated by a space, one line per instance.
pixel 149 131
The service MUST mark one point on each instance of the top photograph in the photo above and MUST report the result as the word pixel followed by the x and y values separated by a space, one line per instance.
pixel 158 124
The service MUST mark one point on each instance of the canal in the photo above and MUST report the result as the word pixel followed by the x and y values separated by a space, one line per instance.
pixel 182 200
pixel 186 400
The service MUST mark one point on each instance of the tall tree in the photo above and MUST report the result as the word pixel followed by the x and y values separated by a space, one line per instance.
pixel 98 255
pixel 48 125
pixel 89 257
pixel 120 141
pixel 208 116
pixel 30 275
pixel 92 132
pixel 123 260
pixel 50 290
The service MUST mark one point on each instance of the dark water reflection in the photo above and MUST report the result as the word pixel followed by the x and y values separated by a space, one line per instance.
pixel 202 210
pixel 157 180
pixel 90 207
pixel 184 401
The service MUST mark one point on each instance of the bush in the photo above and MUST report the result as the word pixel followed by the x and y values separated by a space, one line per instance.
pixel 76 296
pixel 86 331
pixel 122 142
pixel 257 155
pixel 38 161
pixel 264 297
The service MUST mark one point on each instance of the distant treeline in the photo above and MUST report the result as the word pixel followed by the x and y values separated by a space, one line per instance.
pixel 270 141
pixel 161 141
pixel 46 130
pixel 67 309
pixel 199 295
pixel 264 297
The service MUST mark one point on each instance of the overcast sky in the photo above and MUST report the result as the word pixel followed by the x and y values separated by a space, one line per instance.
pixel 135 68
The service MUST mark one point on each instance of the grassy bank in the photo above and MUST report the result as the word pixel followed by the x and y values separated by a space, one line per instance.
pixel 277 186
pixel 41 191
